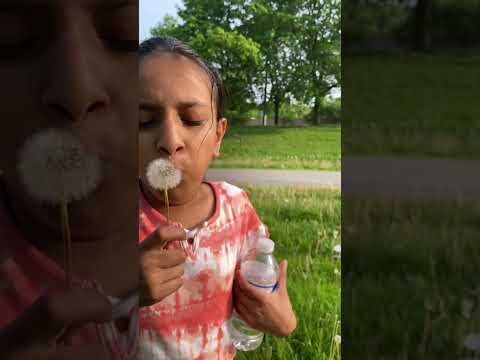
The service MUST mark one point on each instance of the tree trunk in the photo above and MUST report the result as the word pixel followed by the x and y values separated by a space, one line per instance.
pixel 264 114
pixel 277 109
pixel 316 112
pixel 422 24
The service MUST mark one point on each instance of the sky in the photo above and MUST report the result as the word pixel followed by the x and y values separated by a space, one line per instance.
pixel 152 11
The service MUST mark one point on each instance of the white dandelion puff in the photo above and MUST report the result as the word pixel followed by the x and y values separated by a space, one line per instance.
pixel 163 175
pixel 337 251
pixel 54 167
pixel 337 339
pixel 472 342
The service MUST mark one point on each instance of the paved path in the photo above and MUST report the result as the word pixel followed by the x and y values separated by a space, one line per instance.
pixel 432 178
pixel 300 178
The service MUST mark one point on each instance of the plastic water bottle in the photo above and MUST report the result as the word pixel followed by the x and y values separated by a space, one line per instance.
pixel 261 273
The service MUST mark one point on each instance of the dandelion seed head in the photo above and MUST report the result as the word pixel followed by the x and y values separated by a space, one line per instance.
pixel 472 342
pixel 337 249
pixel 337 339
pixel 55 166
pixel 163 175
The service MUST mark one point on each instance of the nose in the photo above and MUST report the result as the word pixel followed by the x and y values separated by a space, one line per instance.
pixel 170 139
pixel 73 87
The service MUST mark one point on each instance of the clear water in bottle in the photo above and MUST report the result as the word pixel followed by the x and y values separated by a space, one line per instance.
pixel 261 273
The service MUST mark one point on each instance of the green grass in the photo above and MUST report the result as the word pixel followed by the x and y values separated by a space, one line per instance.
pixel 410 278
pixel 411 104
pixel 305 225
pixel 314 148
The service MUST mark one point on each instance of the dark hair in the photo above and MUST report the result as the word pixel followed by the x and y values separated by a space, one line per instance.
pixel 168 44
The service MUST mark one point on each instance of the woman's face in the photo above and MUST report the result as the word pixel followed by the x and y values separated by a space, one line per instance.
pixel 73 64
pixel 178 120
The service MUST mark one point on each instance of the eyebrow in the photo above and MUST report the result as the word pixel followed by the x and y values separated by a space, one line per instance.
pixel 181 105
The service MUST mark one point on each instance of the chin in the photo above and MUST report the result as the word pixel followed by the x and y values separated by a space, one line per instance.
pixel 104 214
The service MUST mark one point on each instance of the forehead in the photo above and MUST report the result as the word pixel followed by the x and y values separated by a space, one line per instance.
pixel 173 78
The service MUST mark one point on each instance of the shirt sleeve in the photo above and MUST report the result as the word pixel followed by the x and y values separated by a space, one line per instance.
pixel 253 229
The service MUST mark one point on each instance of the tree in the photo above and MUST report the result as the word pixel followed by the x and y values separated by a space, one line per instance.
pixel 319 69
pixel 423 13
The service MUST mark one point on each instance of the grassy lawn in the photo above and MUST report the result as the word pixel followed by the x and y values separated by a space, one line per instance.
pixel 411 104
pixel 314 148
pixel 305 225
pixel 410 278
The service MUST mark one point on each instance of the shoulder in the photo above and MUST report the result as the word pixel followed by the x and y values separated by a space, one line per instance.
pixel 232 199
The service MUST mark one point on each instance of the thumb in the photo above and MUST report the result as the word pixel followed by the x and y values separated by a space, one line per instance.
pixel 282 276
pixel 162 236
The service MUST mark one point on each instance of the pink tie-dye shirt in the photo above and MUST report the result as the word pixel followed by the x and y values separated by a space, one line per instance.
pixel 191 324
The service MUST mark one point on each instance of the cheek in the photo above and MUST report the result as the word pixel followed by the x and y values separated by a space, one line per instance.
pixel 206 149
pixel 19 112
pixel 146 150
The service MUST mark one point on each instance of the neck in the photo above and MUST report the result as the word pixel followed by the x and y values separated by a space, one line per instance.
pixel 40 224
pixel 156 199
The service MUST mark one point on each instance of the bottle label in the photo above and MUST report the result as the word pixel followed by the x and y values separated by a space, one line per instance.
pixel 268 288
pixel 260 275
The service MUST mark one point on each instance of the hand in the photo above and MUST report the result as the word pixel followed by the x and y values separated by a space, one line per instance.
pixel 271 313
pixel 33 334
pixel 162 270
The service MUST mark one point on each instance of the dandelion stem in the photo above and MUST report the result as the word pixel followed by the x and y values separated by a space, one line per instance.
pixel 65 335
pixel 165 193
pixel 67 241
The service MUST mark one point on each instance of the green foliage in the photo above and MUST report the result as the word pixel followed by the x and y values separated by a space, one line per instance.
pixel 391 23
pixel 330 111
pixel 369 20
pixel 293 112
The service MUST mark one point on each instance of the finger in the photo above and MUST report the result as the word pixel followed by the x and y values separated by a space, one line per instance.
pixel 162 236
pixel 282 275
pixel 248 289
pixel 240 296
pixel 170 258
pixel 158 293
pixel 245 315
pixel 161 259
pixel 247 303
pixel 176 224
pixel 164 275
pixel 51 313
pixel 168 288
pixel 77 306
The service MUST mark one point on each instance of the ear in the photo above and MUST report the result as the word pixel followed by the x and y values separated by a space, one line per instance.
pixel 219 134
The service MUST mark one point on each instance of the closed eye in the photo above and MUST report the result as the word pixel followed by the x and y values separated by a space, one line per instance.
pixel 193 123
pixel 146 123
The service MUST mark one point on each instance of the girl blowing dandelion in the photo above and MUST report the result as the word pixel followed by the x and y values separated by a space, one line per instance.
pixel 189 293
